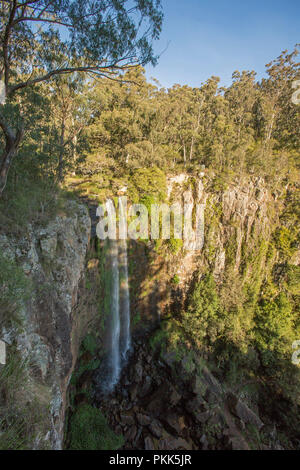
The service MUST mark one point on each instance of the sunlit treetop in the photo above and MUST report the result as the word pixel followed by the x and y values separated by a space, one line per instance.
pixel 42 38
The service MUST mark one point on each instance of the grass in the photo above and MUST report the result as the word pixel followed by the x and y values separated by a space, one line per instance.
pixel 89 431
pixel 21 413
pixel 35 201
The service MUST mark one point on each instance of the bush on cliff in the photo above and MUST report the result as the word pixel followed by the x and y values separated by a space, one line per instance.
pixel 89 431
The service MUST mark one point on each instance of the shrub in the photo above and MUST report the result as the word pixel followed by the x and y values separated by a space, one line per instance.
pixel 89 343
pixel 175 245
pixel 33 201
pixel 175 279
pixel 285 240
pixel 20 412
pixel 89 431
pixel 202 317
pixel 147 182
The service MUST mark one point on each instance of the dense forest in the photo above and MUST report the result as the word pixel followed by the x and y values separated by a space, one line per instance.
pixel 71 128
pixel 84 126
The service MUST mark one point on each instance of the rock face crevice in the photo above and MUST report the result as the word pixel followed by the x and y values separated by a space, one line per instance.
pixel 53 259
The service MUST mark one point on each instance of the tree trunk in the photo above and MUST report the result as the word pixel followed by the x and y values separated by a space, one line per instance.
pixel 11 148
pixel 195 130
pixel 61 152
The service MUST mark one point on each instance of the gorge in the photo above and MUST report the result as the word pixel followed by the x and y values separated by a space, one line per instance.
pixel 107 298
pixel 184 336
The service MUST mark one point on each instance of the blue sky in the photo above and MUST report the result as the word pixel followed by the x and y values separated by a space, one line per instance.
pixel 216 37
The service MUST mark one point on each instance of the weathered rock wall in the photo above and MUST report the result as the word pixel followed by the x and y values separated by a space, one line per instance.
pixel 238 223
pixel 53 258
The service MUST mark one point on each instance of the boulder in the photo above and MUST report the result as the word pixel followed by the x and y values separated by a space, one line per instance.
pixel 170 358
pixel 130 434
pixel 175 397
pixel 172 443
pixel 202 417
pixel 195 405
pixel 48 245
pixel 126 420
pixel 146 387
pixel 204 442
pixel 175 423
pixel 133 392
pixel 212 383
pixel 149 443
pixel 138 372
pixel 199 386
pixel 159 400
pixel 156 429
pixel 143 420
pixel 243 412
pixel 237 443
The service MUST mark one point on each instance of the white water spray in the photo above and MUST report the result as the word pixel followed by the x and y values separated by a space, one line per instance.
pixel 119 301
pixel 124 284
pixel 114 310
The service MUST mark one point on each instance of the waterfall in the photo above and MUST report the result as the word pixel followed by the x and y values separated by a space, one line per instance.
pixel 114 316
pixel 124 285
pixel 118 300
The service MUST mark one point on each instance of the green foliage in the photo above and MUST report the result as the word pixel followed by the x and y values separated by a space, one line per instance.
pixel 221 180
pixel 203 317
pixel 89 343
pixel 158 339
pixel 175 279
pixel 148 185
pixel 274 324
pixel 170 337
pixel 19 420
pixel 89 431
pixel 286 240
pixel 293 279
pixel 175 245
pixel 87 357
pixel 136 319
pixel 148 200
pixel 36 201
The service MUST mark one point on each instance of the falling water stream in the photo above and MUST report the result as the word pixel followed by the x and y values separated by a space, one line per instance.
pixel 124 286
pixel 119 302
pixel 114 358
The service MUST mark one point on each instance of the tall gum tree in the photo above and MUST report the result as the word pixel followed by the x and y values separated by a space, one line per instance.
pixel 41 39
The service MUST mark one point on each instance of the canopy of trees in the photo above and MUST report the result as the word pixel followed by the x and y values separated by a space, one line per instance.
pixel 42 39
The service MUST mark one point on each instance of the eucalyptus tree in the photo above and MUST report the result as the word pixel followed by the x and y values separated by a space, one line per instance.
pixel 41 39
pixel 276 97
pixel 70 115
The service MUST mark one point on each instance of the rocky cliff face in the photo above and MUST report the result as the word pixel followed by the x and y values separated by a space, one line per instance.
pixel 173 396
pixel 238 222
pixel 169 399
pixel 64 304
pixel 53 258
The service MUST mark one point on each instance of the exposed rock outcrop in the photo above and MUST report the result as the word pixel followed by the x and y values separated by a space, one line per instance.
pixel 53 258
pixel 184 410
